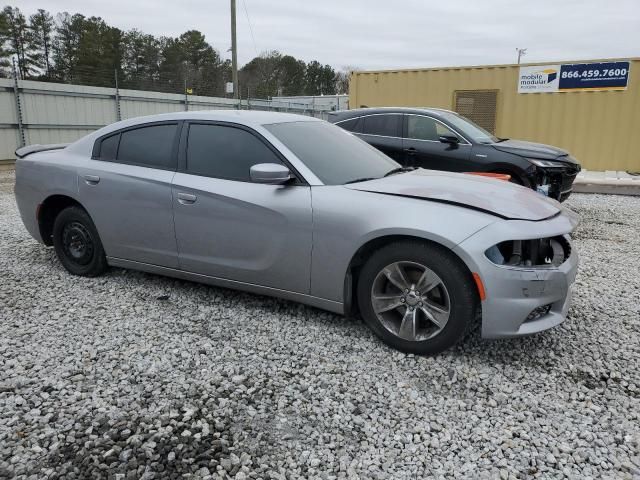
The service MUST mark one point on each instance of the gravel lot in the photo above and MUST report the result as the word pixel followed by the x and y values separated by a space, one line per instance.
pixel 132 375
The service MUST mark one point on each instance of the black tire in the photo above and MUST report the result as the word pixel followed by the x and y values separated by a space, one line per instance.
pixel 77 243
pixel 460 288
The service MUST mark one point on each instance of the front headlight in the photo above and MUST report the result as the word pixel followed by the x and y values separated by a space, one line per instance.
pixel 539 252
pixel 545 163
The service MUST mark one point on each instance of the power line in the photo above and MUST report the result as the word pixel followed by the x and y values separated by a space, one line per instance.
pixel 253 39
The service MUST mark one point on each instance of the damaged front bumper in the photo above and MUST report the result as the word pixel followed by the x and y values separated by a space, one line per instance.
pixel 556 182
pixel 521 300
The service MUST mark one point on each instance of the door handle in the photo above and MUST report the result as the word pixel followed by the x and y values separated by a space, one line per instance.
pixel 186 198
pixel 91 179
pixel 410 151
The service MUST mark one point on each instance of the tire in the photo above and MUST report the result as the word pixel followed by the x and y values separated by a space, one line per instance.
pixel 443 284
pixel 77 243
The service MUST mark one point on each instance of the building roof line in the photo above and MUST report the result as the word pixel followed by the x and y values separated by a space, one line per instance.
pixel 503 65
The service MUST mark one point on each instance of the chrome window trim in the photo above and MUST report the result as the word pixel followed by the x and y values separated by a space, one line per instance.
pixel 467 142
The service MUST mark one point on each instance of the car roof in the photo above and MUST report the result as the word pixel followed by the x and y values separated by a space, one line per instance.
pixel 358 112
pixel 251 118
pixel 247 117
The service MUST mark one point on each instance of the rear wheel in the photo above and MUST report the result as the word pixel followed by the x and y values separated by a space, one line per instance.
pixel 77 243
pixel 418 298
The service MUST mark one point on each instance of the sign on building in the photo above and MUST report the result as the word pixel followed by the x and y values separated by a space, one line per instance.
pixel 574 77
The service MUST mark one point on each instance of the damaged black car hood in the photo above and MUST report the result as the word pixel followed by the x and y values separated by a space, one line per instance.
pixel 534 150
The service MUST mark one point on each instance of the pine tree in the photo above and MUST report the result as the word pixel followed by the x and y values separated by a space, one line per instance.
pixel 5 55
pixel 17 34
pixel 42 26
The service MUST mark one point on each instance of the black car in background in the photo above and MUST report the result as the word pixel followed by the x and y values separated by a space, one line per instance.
pixel 443 140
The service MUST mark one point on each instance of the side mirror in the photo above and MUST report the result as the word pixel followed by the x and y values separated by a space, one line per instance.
pixel 270 173
pixel 450 139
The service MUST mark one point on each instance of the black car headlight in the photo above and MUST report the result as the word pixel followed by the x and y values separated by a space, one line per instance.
pixel 546 163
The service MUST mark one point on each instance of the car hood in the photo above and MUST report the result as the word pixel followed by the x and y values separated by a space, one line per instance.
pixel 496 197
pixel 533 150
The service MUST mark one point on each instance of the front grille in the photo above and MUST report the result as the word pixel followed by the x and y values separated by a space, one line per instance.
pixel 560 181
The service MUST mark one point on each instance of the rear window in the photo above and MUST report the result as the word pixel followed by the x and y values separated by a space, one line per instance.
pixel 109 147
pixel 387 125
pixel 148 146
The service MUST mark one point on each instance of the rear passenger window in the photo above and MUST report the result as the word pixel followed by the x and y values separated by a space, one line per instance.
pixel 225 152
pixel 386 125
pixel 109 147
pixel 148 146
pixel 353 125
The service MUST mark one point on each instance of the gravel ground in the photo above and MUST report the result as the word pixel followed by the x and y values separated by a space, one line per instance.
pixel 133 375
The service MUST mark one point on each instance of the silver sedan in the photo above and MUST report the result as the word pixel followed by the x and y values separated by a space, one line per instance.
pixel 297 208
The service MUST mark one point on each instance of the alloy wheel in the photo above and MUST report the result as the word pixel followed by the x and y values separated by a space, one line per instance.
pixel 411 301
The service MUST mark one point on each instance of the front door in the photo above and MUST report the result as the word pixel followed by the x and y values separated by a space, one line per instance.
pixel 228 227
pixel 422 147
pixel 126 188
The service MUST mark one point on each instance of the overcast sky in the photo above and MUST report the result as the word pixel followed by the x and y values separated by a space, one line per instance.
pixel 387 34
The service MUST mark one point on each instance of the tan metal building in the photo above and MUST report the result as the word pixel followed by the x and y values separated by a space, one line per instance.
pixel 601 128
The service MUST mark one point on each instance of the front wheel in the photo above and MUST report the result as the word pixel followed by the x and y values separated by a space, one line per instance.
pixel 77 243
pixel 417 297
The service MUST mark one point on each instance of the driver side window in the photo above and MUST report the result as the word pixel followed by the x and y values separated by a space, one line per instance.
pixel 426 128
pixel 225 152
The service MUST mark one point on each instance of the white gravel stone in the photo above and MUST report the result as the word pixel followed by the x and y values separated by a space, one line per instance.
pixel 102 377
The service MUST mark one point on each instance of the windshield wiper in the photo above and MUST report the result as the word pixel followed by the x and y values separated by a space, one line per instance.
pixel 502 140
pixel 399 170
pixel 357 180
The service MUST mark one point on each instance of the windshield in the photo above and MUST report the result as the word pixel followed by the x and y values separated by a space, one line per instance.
pixel 468 128
pixel 334 155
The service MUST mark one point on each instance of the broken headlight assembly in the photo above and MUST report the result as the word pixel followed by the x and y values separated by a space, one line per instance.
pixel 546 163
pixel 539 252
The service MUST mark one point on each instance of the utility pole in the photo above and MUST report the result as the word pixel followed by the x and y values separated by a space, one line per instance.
pixel 234 51
pixel 521 53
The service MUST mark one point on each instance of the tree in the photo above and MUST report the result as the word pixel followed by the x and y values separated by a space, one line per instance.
pixel 342 79
pixel 74 48
pixel 5 55
pixel 99 53
pixel 87 50
pixel 141 57
pixel 66 44
pixel 320 80
pixel 190 60
pixel 42 26
pixel 260 76
pixel 17 37
pixel 291 76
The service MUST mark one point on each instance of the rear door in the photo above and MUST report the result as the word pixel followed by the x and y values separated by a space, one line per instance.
pixel 383 131
pixel 126 188
pixel 231 228
pixel 422 147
